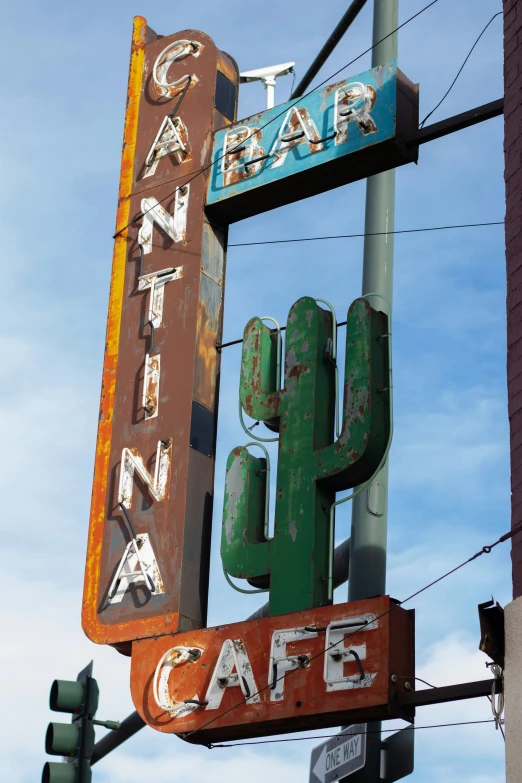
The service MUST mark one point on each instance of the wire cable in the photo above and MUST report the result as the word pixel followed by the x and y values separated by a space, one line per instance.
pixel 280 114
pixel 460 70
pixel 331 736
pixel 484 551
pixel 369 234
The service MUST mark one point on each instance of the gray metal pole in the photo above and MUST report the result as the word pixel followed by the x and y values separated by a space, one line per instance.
pixel 349 16
pixel 132 724
pixel 370 508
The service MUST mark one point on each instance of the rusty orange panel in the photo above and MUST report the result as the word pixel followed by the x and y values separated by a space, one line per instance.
pixel 154 467
pixel 268 676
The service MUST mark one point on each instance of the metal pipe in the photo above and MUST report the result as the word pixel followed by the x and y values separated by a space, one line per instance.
pixel 349 16
pixel 370 508
pixel 341 572
pixel 456 123
pixel 132 724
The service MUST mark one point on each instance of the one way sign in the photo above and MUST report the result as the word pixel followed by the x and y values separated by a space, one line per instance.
pixel 340 756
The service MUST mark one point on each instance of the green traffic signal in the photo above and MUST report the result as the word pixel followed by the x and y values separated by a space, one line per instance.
pixel 66 696
pixel 54 772
pixel 62 739
pixel 69 696
pixel 73 740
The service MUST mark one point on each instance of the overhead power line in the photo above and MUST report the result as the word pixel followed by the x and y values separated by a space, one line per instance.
pixel 280 114
pixel 460 70
pixel 332 736
pixel 370 234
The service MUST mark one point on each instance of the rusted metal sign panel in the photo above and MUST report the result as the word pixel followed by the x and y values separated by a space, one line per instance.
pixel 306 670
pixel 342 133
pixel 149 535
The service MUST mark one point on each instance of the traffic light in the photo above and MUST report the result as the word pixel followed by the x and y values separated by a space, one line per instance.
pixel 74 741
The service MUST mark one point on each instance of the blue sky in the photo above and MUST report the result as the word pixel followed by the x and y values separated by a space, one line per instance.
pixel 65 67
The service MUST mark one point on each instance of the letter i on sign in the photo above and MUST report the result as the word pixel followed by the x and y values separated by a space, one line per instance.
pixel 149 535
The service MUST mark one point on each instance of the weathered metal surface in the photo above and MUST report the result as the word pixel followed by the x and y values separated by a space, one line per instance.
pixel 165 316
pixel 312 466
pixel 268 676
pixel 339 134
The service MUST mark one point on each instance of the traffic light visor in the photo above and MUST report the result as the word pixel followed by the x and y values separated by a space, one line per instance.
pixel 62 739
pixel 56 772
pixel 66 696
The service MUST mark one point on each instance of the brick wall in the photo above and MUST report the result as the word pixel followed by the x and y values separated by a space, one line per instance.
pixel 513 179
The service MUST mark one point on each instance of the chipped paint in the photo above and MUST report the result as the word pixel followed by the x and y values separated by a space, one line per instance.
pixel 175 656
pixel 145 400
pixel 280 662
pixel 175 225
pixel 132 462
pixel 312 465
pixel 151 380
pixel 129 571
pixel 176 50
pixel 234 674
pixel 171 139
pixel 156 282
pixel 233 656
pixel 327 138
pixel 354 103
pixel 340 650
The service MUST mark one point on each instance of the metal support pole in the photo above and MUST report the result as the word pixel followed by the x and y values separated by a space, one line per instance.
pixel 270 91
pixel 132 724
pixel 370 508
pixel 348 17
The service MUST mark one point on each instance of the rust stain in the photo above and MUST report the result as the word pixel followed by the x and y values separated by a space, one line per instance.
pixel 103 443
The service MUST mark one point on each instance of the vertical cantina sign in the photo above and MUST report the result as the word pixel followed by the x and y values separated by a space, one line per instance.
pixel 148 550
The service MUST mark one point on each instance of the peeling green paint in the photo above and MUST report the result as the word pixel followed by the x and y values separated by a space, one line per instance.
pixel 311 465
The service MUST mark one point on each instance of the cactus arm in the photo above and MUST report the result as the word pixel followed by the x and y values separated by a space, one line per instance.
pixel 258 384
pixel 356 454
pixel 244 548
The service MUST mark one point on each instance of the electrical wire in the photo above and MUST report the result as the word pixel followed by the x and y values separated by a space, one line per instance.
pixel 332 736
pixel 280 114
pixel 484 551
pixel 499 13
pixel 369 234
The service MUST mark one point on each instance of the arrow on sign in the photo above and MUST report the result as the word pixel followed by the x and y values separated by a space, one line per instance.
pixel 340 756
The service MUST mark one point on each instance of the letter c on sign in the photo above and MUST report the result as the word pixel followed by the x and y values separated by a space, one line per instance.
pixel 160 686
pixel 170 54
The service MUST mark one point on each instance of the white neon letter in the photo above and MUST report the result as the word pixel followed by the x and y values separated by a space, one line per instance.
pixel 160 686
pixel 240 148
pixel 171 139
pixel 132 461
pixel 174 51
pixel 138 564
pixel 280 662
pixel 337 654
pixel 297 128
pixel 353 103
pixel 175 226
pixel 233 655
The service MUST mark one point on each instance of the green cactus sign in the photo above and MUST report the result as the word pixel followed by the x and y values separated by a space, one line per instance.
pixel 312 464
